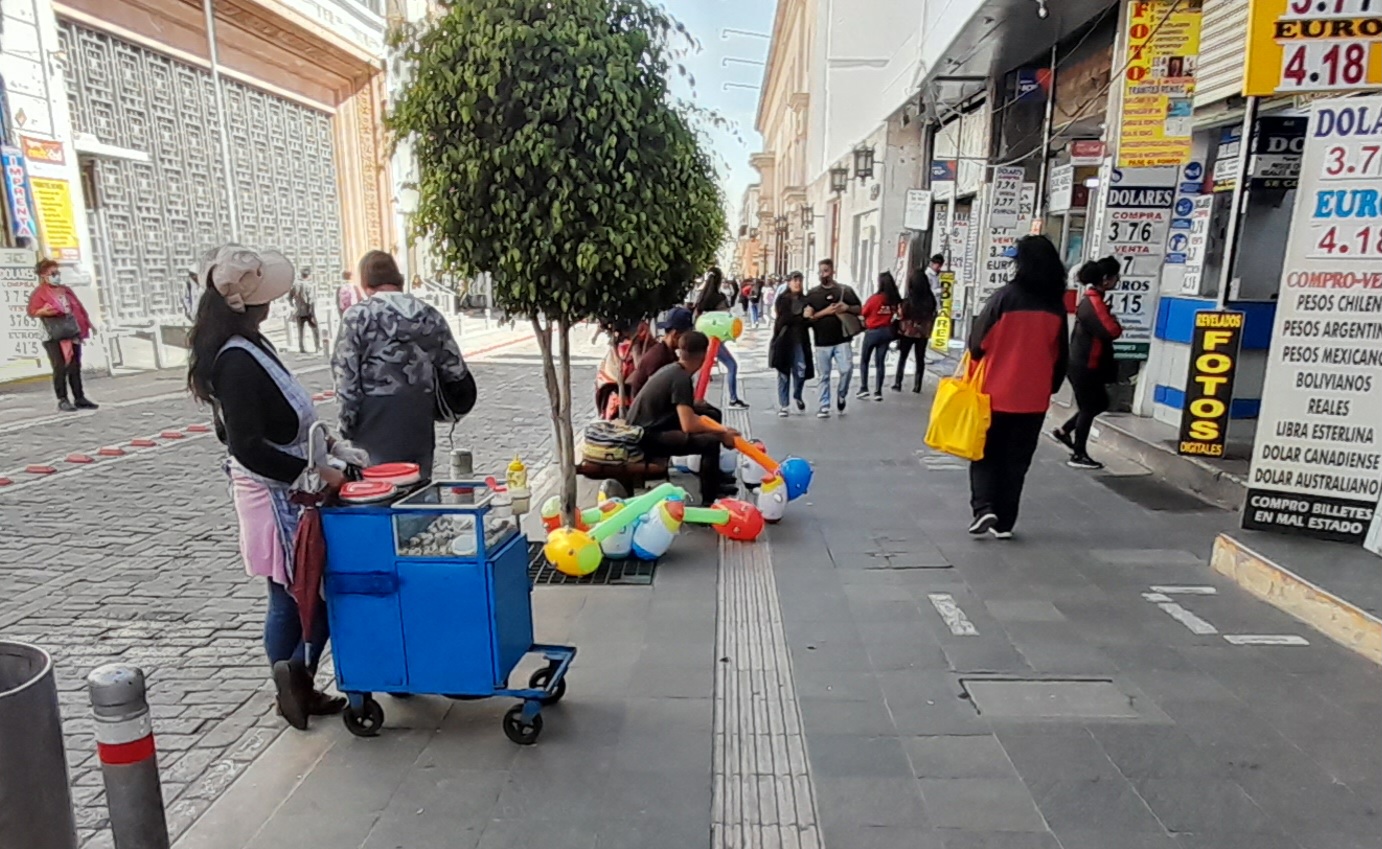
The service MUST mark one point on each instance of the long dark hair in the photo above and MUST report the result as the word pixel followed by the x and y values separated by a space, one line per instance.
pixel 215 325
pixel 1039 269
pixel 921 301
pixel 887 287
pixel 710 293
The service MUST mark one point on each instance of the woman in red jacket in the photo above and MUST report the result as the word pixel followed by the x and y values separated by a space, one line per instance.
pixel 1092 366
pixel 879 313
pixel 1019 341
pixel 65 326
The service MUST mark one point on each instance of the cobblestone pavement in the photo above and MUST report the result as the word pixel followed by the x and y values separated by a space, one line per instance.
pixel 136 561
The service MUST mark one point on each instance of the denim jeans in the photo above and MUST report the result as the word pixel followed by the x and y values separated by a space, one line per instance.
pixel 792 380
pixel 731 365
pixel 876 344
pixel 753 313
pixel 842 356
pixel 283 630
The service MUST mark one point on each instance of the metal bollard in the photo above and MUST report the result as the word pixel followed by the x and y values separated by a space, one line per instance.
pixel 129 763
pixel 35 800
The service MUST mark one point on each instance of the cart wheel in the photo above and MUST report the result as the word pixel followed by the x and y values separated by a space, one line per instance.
pixel 522 733
pixel 541 679
pixel 367 721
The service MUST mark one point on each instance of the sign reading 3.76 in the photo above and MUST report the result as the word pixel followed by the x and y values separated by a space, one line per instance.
pixel 1313 45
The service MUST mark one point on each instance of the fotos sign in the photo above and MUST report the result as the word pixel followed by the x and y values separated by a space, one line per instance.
pixel 1317 461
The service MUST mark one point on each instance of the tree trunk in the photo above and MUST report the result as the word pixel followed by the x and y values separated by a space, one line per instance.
pixel 565 461
pixel 568 439
pixel 618 375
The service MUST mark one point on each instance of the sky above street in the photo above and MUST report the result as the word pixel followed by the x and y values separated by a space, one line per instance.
pixel 707 20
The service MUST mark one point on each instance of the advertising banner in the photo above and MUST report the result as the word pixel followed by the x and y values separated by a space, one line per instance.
pixel 917 214
pixel 1209 386
pixel 1196 238
pixel 23 220
pixel 19 335
pixel 1162 45
pixel 1062 188
pixel 940 333
pixel 1313 45
pixel 1276 147
pixel 1317 461
pixel 995 265
pixel 59 224
pixel 47 151
pixel 1137 221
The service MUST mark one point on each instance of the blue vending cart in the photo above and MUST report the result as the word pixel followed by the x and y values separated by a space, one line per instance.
pixel 430 594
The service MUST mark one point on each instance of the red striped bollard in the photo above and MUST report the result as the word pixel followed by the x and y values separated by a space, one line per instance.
pixel 125 746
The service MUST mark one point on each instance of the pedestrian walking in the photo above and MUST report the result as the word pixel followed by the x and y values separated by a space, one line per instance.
pixel 789 353
pixel 348 294
pixel 1092 366
pixel 713 298
pixel 265 417
pixel 395 356
pixel 64 326
pixel 1019 342
pixel 828 307
pixel 755 302
pixel 933 275
pixel 304 303
pixel 880 316
pixel 769 289
pixel 917 319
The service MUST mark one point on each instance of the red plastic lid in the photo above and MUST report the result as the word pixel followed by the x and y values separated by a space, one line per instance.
pixel 367 491
pixel 392 470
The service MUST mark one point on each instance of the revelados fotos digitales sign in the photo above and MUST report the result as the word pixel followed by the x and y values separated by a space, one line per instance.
pixel 1317 461
pixel 1209 386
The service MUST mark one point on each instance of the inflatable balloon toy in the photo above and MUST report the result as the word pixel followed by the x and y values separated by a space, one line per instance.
pixel 728 465
pixel 731 519
pixel 772 499
pixel 795 472
pixel 750 471
pixel 620 545
pixel 655 530
pixel 721 327
pixel 577 553
pixel 551 515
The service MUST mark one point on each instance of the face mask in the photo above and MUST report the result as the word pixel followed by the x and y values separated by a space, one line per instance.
pixel 54 279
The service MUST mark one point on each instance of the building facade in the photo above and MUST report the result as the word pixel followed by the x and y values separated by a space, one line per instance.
pixel 175 125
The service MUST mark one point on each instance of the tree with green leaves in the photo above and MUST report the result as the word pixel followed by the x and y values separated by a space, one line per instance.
pixel 552 155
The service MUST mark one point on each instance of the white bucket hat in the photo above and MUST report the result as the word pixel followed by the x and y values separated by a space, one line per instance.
pixel 246 278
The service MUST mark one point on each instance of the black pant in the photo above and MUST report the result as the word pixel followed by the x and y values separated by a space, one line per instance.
pixel 876 343
pixel 905 345
pixel 1091 397
pixel 995 482
pixel 303 321
pixel 671 443
pixel 65 373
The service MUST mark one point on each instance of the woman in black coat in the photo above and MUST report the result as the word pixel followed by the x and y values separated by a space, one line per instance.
pixel 790 352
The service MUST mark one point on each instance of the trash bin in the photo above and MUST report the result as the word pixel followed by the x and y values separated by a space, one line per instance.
pixel 35 798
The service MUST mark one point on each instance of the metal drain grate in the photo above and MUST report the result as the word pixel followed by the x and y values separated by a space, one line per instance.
pixel 612 573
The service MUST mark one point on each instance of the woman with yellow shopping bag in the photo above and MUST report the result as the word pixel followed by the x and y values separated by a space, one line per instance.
pixel 1018 350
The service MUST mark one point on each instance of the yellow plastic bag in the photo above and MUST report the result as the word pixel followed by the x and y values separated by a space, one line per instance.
pixel 961 413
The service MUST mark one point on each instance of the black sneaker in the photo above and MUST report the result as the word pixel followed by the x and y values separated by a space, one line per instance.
pixel 736 404
pixel 801 406
pixel 897 387
pixel 1084 461
pixel 983 523
pixel 878 396
pixel 840 405
pixel 66 406
pixel 862 395
pixel 87 404
pixel 1063 438
pixel 321 704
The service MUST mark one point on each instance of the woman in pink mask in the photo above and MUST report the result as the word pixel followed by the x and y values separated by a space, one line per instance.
pixel 65 326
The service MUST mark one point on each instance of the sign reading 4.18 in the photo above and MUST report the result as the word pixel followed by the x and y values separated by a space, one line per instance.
pixel 1313 45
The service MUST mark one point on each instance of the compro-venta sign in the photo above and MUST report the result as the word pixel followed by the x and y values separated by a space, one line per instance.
pixel 1137 220
pixel 1313 45
pixel 1317 462
pixel 1209 386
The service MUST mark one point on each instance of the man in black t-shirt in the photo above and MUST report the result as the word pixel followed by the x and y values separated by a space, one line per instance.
pixel 666 410
pixel 824 304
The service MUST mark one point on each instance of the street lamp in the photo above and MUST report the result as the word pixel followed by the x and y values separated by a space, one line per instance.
pixel 780 224
pixel 839 179
pixel 753 233
pixel 808 215
pixel 863 162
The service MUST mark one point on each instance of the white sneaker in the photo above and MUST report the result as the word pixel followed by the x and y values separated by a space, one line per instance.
pixel 983 524
pixel 997 534
pixel 822 413
pixel 782 413
pixel 862 395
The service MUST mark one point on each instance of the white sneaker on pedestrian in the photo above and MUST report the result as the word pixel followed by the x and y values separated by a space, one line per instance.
pixel 982 524
pixel 1084 461
pixel 823 413
pixel 782 413
pixel 862 395
pixel 997 534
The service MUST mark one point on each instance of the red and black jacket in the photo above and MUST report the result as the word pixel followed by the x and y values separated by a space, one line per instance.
pixel 1022 338
pixel 1091 342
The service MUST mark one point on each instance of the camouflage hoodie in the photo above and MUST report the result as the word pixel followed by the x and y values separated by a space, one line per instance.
pixel 391 344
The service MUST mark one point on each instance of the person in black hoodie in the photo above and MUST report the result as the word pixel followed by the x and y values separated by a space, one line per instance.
pixel 790 352
pixel 1020 343
pixel 1092 366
